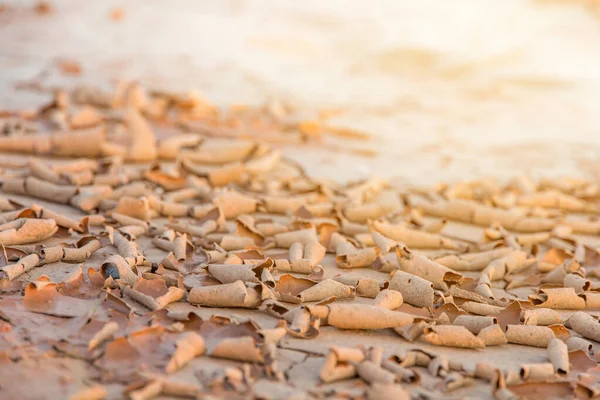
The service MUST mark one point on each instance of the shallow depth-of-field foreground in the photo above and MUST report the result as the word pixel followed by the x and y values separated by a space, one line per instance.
pixel 277 200
pixel 152 246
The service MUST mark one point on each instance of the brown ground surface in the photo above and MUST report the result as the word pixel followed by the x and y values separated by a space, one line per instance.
pixel 511 107
pixel 449 91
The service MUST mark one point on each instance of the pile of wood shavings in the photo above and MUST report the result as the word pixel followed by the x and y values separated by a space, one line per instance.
pixel 117 278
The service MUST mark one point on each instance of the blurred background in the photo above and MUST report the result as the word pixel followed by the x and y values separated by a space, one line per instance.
pixel 449 90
